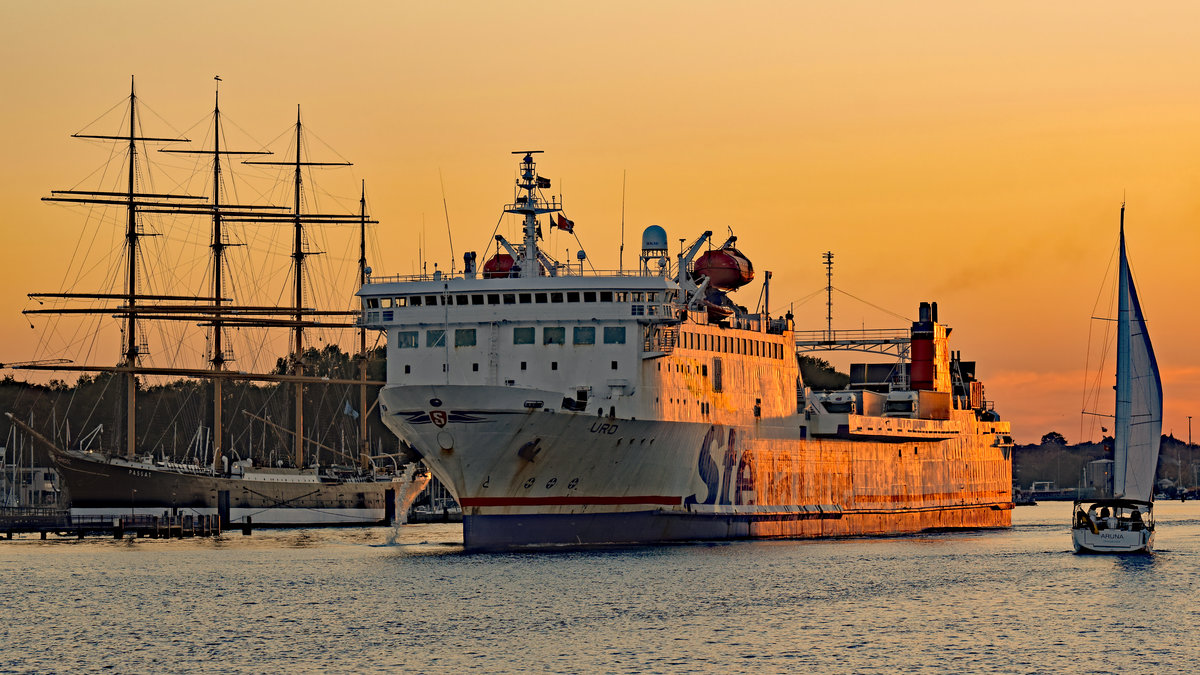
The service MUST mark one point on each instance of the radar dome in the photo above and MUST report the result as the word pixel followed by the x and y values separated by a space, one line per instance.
pixel 654 238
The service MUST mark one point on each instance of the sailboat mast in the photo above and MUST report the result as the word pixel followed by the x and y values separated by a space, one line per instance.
pixel 363 450
pixel 298 256
pixel 298 332
pixel 1124 389
pixel 133 201
pixel 131 244
pixel 218 249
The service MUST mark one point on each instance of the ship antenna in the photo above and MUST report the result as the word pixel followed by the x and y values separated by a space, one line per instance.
pixel 621 260
pixel 447 211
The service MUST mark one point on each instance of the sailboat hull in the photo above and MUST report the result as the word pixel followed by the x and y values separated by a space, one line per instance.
pixel 1113 526
pixel 1112 541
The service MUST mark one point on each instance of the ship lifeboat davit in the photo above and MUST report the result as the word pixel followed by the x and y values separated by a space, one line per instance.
pixel 726 268
pixel 499 266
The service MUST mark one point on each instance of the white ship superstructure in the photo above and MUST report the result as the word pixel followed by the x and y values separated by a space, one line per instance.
pixel 568 408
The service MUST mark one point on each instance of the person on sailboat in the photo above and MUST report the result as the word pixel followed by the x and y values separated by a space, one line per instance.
pixel 1087 519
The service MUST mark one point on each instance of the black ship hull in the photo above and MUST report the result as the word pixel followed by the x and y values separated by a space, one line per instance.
pixel 97 485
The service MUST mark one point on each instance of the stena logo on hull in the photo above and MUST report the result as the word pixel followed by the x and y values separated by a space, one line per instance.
pixel 726 471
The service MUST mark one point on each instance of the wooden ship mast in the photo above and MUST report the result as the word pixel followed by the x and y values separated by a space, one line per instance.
pixel 215 311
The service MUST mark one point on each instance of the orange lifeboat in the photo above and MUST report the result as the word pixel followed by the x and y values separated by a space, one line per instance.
pixel 726 268
pixel 498 266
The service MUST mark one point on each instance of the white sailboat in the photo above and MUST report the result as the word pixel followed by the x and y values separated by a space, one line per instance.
pixel 1124 522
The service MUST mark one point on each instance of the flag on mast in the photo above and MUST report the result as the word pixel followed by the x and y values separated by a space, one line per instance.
pixel 564 224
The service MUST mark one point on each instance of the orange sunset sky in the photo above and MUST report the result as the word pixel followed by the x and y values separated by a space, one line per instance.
pixel 975 154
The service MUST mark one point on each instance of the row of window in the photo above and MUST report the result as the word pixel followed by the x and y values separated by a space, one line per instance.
pixel 730 345
pixel 519 298
pixel 521 335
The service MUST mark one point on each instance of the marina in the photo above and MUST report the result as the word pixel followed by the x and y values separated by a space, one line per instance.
pixel 62 524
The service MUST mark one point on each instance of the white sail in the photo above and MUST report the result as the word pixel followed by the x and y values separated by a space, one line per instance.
pixel 1139 395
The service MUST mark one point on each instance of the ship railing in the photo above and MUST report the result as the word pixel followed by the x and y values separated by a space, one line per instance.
pixel 568 271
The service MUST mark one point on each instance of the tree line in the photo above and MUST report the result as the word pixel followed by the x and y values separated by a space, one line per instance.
pixel 174 418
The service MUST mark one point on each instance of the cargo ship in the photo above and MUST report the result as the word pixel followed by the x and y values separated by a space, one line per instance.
pixel 573 407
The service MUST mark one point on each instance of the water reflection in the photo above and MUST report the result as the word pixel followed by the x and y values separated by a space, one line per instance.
pixel 409 599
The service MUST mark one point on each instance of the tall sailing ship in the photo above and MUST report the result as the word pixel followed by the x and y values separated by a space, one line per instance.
pixel 568 407
pixel 1122 521
pixel 234 478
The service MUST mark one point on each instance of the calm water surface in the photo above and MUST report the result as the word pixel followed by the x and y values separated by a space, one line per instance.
pixel 410 601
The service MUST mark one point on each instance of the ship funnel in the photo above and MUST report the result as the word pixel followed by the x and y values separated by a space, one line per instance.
pixel 926 313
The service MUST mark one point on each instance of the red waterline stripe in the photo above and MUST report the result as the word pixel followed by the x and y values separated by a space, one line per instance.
pixel 566 501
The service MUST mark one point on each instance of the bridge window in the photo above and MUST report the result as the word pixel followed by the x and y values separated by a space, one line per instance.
pixel 435 338
pixel 523 335
pixel 401 301
pixel 372 303
pixel 431 300
pixel 525 298
pixel 556 297
pixel 540 298
pixel 387 315
pixel 585 335
pixel 461 299
pixel 554 335
pixel 572 296
pixel 385 302
pixel 614 335
pixel 606 296
pixel 477 299
pixel 589 296
pixel 416 301
pixel 622 296
pixel 406 339
pixel 464 337
pixel 510 298
pixel 637 310
pixel 493 298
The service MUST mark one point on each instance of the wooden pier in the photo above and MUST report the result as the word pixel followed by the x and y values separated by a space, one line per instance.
pixel 62 524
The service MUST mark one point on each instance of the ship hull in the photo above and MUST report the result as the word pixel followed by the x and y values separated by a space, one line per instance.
pixel 538 477
pixel 99 486
pixel 512 532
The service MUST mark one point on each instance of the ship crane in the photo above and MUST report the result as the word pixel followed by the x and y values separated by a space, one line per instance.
pixel 685 261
